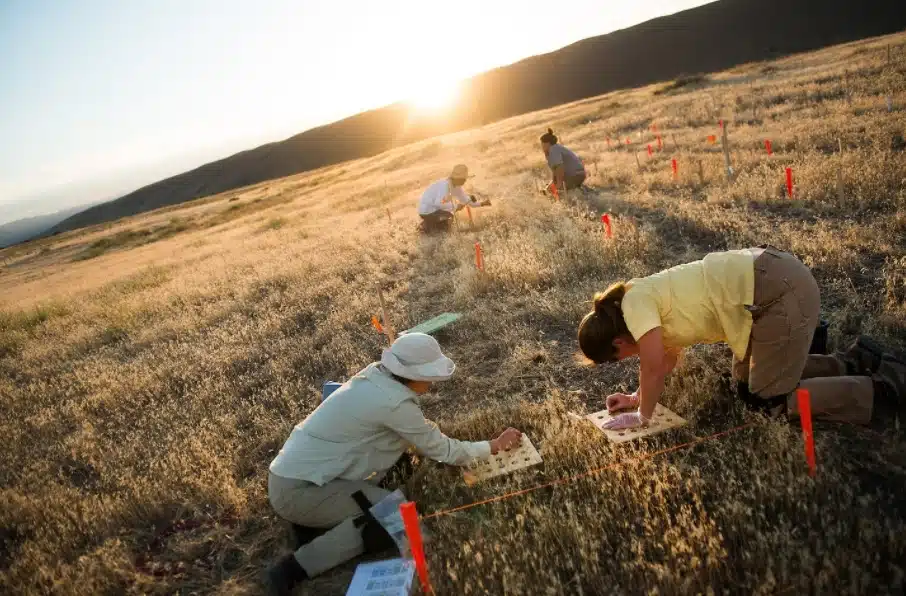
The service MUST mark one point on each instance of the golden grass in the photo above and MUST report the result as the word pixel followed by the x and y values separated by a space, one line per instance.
pixel 143 391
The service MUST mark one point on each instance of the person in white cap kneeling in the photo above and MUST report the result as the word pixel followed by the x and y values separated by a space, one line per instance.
pixel 443 198
pixel 329 471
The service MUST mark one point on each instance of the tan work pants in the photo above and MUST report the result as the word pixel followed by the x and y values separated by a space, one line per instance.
pixel 785 314
pixel 328 506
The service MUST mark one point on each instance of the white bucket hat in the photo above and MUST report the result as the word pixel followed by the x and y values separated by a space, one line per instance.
pixel 460 171
pixel 417 357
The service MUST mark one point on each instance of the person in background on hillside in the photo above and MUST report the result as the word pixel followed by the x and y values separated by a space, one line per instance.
pixel 443 198
pixel 330 470
pixel 566 167
pixel 765 304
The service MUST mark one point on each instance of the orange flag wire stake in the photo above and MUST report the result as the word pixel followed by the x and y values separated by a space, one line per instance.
pixel 469 213
pixel 673 165
pixel 660 144
pixel 387 327
pixel 649 149
pixel 479 257
pixel 377 324
pixel 789 182
pixel 414 534
pixel 553 188
pixel 767 145
pixel 608 230
pixel 805 416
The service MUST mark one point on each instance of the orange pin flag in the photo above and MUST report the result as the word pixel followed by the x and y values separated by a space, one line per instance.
pixel 673 165
pixel 469 213
pixel 805 416
pixel 721 123
pixel 660 144
pixel 649 149
pixel 377 324
pixel 479 257
pixel 712 139
pixel 553 188
pixel 627 140
pixel 605 219
pixel 767 146
pixel 608 142
pixel 416 546
pixel 789 182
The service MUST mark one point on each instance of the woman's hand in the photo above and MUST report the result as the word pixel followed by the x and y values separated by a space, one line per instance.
pixel 623 421
pixel 621 401
pixel 507 440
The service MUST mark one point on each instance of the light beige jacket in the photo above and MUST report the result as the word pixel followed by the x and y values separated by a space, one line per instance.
pixel 362 429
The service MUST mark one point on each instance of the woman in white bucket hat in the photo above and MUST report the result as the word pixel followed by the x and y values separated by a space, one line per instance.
pixel 330 469
pixel 445 197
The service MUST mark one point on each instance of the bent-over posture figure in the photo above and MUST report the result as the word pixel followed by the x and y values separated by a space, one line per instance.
pixel 330 469
pixel 444 198
pixel 765 304
pixel 567 170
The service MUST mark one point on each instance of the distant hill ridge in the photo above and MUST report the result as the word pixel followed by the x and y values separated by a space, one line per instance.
pixel 708 38
pixel 24 229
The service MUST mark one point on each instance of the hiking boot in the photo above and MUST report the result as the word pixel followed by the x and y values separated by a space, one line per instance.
pixel 890 384
pixel 284 576
pixel 862 357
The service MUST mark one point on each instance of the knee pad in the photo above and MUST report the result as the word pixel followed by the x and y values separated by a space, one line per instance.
pixel 770 406
pixel 302 535
pixel 374 536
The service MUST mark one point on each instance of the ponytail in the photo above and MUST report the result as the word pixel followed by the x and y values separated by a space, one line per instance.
pixel 549 137
pixel 603 325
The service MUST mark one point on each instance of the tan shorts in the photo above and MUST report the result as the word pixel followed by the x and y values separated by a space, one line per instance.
pixel 784 317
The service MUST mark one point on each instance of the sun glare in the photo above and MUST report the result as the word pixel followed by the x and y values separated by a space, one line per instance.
pixel 435 96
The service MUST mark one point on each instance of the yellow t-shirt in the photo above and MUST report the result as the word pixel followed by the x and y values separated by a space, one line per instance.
pixel 696 303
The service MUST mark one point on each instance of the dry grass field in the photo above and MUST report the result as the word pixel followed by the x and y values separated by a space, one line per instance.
pixel 150 369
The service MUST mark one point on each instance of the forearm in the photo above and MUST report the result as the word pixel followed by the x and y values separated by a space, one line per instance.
pixel 409 423
pixel 651 386
pixel 671 358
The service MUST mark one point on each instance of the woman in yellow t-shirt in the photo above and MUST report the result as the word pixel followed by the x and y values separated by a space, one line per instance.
pixel 765 304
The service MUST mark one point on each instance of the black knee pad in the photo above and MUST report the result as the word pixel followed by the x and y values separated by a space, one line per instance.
pixel 302 535
pixel 769 406
pixel 374 536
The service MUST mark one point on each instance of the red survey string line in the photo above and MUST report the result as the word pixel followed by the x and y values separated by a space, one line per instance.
pixel 587 472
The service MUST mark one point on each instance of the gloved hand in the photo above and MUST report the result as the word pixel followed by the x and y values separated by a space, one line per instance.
pixel 485 203
pixel 624 421
pixel 622 401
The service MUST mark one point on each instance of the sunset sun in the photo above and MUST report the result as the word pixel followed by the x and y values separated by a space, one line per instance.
pixel 435 96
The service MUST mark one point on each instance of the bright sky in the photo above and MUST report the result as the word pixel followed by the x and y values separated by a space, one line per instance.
pixel 96 90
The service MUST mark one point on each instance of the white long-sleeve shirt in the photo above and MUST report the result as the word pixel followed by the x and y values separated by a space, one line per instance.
pixel 443 196
pixel 362 429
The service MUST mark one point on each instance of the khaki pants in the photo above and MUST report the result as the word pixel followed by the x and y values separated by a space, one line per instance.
pixel 328 506
pixel 785 314
pixel 575 181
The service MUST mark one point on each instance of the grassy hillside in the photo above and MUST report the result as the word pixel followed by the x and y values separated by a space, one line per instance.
pixel 708 38
pixel 150 369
